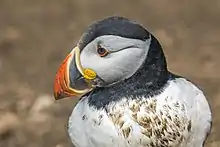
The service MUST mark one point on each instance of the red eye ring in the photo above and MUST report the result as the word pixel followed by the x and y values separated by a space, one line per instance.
pixel 102 51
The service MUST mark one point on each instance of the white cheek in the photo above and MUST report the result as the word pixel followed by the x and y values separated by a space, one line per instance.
pixel 100 65
pixel 90 61
pixel 117 66
pixel 128 63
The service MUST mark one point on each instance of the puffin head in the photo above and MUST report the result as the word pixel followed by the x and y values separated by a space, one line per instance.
pixel 110 51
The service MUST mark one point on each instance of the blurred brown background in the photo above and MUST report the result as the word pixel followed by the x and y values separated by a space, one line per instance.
pixel 36 35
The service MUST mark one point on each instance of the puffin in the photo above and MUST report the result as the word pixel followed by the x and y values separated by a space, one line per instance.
pixel 126 95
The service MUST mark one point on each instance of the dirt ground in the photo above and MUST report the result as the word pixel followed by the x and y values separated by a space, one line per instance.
pixel 35 36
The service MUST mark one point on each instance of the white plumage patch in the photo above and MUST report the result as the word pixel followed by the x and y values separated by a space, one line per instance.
pixel 178 117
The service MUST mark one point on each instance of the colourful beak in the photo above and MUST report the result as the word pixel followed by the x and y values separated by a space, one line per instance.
pixel 72 80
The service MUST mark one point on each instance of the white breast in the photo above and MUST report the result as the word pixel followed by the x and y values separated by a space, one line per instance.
pixel 178 117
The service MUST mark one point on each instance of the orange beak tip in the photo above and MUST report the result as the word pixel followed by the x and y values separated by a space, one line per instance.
pixel 60 83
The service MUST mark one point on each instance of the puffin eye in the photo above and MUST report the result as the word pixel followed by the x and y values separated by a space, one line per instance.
pixel 102 51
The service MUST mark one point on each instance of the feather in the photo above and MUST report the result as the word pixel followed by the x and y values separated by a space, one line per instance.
pixel 178 117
